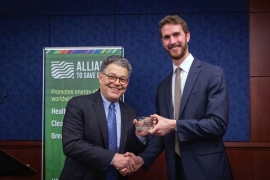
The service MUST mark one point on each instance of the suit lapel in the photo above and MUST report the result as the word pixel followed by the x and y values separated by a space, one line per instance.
pixel 191 79
pixel 124 127
pixel 101 115
pixel 168 96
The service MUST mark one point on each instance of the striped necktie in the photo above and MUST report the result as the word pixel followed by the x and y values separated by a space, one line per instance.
pixel 177 102
pixel 112 138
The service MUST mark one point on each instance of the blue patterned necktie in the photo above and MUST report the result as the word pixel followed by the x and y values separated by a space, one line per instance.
pixel 112 138
pixel 112 132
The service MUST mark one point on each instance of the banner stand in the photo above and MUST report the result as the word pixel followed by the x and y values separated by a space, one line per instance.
pixel 67 72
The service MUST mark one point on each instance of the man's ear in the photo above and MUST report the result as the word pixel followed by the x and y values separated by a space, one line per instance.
pixel 188 36
pixel 99 76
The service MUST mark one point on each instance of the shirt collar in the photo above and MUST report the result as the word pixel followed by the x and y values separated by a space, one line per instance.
pixel 107 103
pixel 186 64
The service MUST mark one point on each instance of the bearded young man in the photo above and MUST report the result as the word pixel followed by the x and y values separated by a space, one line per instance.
pixel 192 110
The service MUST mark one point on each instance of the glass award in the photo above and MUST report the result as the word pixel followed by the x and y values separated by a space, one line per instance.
pixel 144 123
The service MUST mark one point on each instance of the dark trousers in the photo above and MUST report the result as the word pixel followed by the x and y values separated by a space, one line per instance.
pixel 179 171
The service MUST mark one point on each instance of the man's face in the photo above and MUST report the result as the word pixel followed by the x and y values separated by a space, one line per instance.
pixel 174 40
pixel 112 91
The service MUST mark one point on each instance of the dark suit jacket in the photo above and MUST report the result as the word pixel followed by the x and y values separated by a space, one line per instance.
pixel 203 120
pixel 85 138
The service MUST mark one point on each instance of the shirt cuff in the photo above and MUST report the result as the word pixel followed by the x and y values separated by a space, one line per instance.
pixel 142 139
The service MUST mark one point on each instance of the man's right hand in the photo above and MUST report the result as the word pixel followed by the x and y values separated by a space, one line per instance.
pixel 138 163
pixel 120 161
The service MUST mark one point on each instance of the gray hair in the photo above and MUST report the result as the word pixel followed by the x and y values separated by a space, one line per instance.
pixel 118 60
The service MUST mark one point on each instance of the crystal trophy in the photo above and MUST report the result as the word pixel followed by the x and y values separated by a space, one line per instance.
pixel 144 123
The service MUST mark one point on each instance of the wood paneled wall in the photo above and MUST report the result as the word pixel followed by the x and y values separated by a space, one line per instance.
pixel 260 70
pixel 28 152
pixel 249 161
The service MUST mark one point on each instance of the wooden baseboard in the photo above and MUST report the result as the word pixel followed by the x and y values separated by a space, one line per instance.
pixel 248 160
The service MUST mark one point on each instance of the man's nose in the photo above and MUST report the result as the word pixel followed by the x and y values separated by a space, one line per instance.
pixel 172 40
pixel 117 81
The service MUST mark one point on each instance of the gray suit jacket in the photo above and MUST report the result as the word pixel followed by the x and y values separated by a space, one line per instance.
pixel 85 138
pixel 203 120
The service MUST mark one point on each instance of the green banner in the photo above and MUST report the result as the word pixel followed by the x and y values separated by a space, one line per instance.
pixel 68 72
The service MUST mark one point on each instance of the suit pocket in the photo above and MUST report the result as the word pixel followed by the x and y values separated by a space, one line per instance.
pixel 75 170
pixel 209 148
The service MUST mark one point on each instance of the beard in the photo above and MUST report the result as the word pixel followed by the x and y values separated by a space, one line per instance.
pixel 180 54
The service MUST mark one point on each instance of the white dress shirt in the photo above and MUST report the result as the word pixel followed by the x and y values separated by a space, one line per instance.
pixel 185 67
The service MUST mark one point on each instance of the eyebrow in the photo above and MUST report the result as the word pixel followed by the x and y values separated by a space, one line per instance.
pixel 112 74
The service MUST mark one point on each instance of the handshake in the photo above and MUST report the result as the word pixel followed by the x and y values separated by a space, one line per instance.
pixel 127 163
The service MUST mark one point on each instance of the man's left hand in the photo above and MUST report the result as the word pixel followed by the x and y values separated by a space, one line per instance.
pixel 163 127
